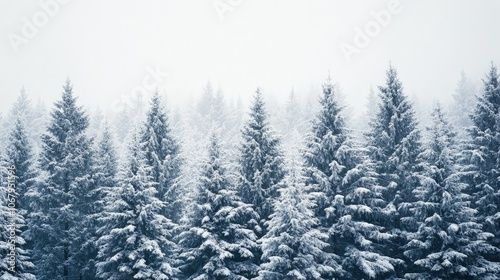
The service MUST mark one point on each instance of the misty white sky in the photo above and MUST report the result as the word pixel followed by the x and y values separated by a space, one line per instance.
pixel 106 47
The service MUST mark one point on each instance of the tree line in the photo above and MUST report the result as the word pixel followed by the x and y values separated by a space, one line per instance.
pixel 395 205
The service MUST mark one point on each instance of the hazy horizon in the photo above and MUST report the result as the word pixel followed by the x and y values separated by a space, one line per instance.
pixel 107 49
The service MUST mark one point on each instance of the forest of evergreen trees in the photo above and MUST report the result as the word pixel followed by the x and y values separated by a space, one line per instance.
pixel 295 193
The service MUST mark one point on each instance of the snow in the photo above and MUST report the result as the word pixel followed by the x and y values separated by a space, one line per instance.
pixel 313 204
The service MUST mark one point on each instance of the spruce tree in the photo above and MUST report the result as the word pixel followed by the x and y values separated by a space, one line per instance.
pixel 104 182
pixel 22 110
pixel 135 236
pixel 20 155
pixel 293 247
pixel 217 245
pixel 343 185
pixel 483 157
pixel 62 204
pixel 261 162
pixel 219 110
pixel 325 155
pixel 162 154
pixel 20 159
pixel 261 170
pixel 371 108
pixel 394 146
pixel 291 125
pixel 106 166
pixel 291 118
pixel 449 243
pixel 19 181
pixel 16 261
pixel 463 102
pixel 394 140
pixel 33 118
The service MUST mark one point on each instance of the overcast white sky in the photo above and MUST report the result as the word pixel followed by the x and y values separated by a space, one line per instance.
pixel 105 47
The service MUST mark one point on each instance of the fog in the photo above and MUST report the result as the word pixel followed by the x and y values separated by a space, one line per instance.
pixel 109 49
pixel 260 139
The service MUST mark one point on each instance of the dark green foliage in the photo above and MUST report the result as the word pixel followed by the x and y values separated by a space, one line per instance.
pixel 63 204
pixel 161 152
pixel 218 246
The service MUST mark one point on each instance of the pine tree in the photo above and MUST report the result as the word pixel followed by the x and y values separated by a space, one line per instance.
pixel 394 146
pixel 219 110
pixel 371 108
pixel 206 113
pixel 20 155
pixel 348 202
pixel 290 124
pixel 31 116
pixel 22 110
pixel 104 181
pixel 16 261
pixel 20 179
pixel 96 122
pixel 359 234
pixel 483 157
pixel 463 101
pixel 291 119
pixel 326 151
pixel 394 139
pixel 162 155
pixel 206 100
pixel 260 170
pixel 449 243
pixel 63 204
pixel 261 162
pixel 135 236
pixel 217 246
pixel 106 166
pixel 293 247
pixel 40 122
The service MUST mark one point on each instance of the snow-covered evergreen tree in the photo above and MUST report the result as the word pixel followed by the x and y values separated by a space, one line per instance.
pixel 20 154
pixel 361 123
pixel 219 109
pixel 208 113
pixel 483 157
pixel 260 170
pixel 20 178
pixel 22 108
pixel 291 125
pixel 33 118
pixel 218 246
pixel 62 205
pixel 394 146
pixel 291 116
pixel 327 149
pixel 135 236
pixel 16 261
pixel 394 139
pixel 449 243
pixel 96 122
pixel 261 162
pixel 106 159
pixel 359 235
pixel 211 112
pixel 371 104
pixel 104 181
pixel 348 202
pixel 161 152
pixel 464 100
pixel 205 103
pixel 293 247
